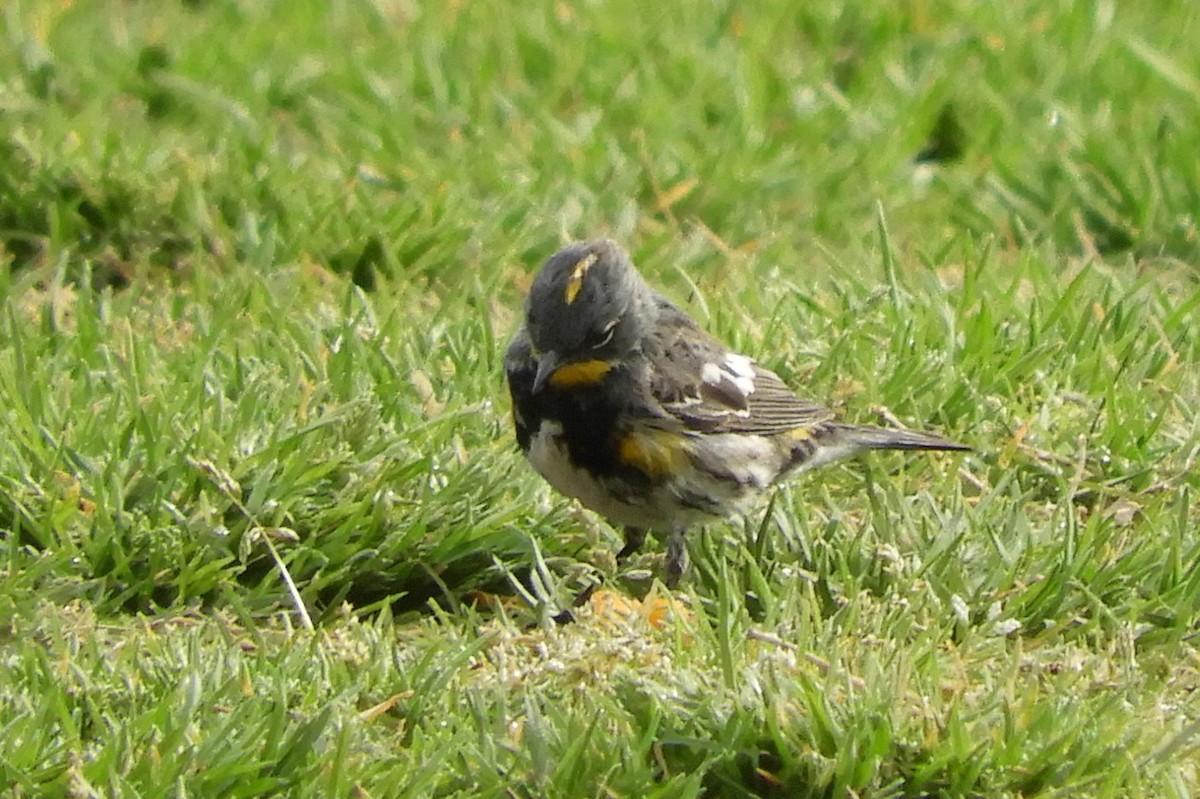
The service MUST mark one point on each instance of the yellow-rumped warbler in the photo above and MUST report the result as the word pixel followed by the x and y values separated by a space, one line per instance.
pixel 623 402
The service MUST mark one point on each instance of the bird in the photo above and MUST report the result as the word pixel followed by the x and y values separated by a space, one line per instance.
pixel 623 402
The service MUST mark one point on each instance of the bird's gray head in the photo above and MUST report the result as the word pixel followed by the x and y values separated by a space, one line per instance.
pixel 585 312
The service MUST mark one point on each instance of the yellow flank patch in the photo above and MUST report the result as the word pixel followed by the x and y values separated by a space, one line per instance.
pixel 582 373
pixel 655 453
pixel 799 433
pixel 575 282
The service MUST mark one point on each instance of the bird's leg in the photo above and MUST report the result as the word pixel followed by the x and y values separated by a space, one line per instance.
pixel 677 556
pixel 634 537
pixel 581 599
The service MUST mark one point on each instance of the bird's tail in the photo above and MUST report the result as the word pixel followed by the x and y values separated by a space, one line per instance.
pixel 866 437
pixel 833 441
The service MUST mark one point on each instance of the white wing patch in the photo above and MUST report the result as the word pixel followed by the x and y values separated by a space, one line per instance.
pixel 731 383
pixel 743 368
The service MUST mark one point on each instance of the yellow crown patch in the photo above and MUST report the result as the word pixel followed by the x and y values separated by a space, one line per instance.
pixel 575 282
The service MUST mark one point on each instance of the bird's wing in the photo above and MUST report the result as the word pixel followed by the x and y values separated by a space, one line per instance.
pixel 520 369
pixel 712 389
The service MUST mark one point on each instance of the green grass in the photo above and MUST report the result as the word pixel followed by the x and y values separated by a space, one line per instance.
pixel 258 264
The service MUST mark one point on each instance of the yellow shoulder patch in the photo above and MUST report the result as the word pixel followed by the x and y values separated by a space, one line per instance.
pixel 582 373
pixel 575 282
pixel 655 453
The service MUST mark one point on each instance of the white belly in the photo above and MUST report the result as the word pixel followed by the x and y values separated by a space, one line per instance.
pixel 661 507
pixel 548 455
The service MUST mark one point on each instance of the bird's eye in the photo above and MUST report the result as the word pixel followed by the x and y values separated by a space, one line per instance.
pixel 601 336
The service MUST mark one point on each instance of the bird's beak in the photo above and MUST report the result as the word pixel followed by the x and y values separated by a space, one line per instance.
pixel 547 364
